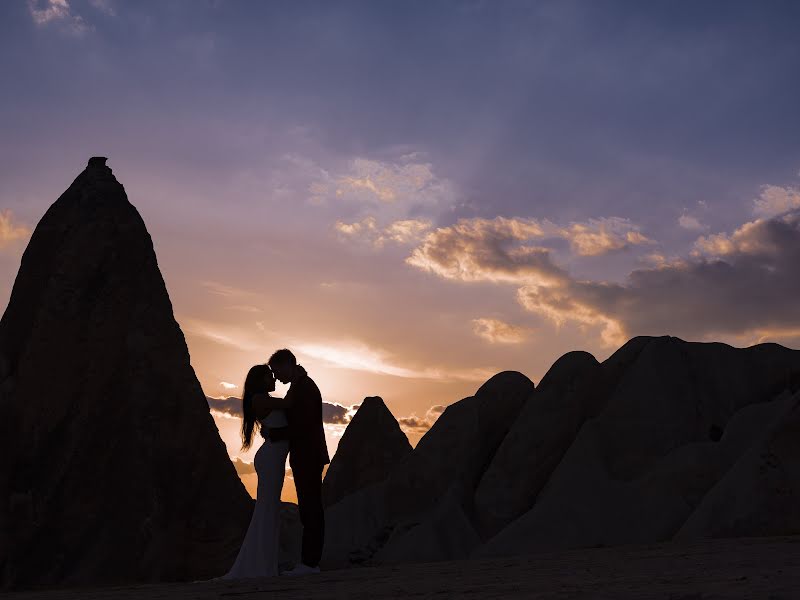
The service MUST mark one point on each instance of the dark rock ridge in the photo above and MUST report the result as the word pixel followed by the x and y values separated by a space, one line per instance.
pixel 372 444
pixel 645 457
pixel 112 468
pixel 423 509
pixel 665 439
pixel 535 444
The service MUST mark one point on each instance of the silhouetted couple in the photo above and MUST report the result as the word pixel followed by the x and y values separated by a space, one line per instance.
pixel 293 426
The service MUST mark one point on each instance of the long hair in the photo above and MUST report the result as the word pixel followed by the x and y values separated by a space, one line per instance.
pixel 254 383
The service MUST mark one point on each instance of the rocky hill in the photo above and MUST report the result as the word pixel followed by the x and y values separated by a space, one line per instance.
pixel 665 439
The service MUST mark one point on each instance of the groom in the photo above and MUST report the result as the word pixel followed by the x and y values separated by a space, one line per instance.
pixel 308 454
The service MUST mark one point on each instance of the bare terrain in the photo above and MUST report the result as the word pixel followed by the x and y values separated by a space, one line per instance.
pixel 756 568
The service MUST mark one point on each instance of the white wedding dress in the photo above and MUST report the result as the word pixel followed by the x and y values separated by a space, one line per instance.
pixel 258 556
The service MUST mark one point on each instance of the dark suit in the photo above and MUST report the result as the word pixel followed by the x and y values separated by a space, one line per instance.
pixel 308 454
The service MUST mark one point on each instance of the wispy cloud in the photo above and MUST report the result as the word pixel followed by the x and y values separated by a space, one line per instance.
pixel 737 284
pixel 360 357
pixel 496 331
pixel 407 182
pixel 59 12
pixel 690 223
pixel 228 406
pixel 10 231
pixel 560 304
pixel 45 11
pixel 228 291
pixel 733 283
pixel 245 308
pixel 775 200
pixel 517 250
pixel 228 335
pixel 336 414
pixel 420 424
pixel 231 406
pixel 748 239
pixel 104 6
pixel 406 231
pixel 406 189
pixel 496 250
pixel 601 236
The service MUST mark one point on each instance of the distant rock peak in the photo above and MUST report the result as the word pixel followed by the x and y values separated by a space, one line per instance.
pixel 98 161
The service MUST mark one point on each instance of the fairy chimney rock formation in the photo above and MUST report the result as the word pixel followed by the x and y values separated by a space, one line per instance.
pixel 111 466
pixel 371 446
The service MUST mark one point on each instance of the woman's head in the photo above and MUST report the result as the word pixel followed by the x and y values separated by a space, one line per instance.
pixel 259 380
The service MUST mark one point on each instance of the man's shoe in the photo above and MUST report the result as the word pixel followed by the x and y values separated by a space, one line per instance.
pixel 300 569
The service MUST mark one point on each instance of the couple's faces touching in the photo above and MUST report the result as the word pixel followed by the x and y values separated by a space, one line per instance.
pixel 283 372
pixel 269 379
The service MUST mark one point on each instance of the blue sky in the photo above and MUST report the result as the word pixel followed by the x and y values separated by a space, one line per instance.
pixel 418 194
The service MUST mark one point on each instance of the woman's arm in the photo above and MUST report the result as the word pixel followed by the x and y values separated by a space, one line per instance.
pixel 264 403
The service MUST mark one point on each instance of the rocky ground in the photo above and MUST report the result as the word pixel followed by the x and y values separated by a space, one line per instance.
pixel 763 568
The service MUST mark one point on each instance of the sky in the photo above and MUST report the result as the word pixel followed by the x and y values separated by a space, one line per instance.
pixel 414 196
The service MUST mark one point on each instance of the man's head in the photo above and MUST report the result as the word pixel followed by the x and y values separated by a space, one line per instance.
pixel 283 364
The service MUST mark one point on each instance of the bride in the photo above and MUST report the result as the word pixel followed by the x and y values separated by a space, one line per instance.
pixel 258 556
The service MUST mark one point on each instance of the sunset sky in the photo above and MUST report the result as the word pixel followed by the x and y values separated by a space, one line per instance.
pixel 414 196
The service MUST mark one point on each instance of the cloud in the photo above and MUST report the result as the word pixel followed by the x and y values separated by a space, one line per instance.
pixel 496 250
pixel 690 223
pixel 228 386
pixel 230 406
pixel 718 244
pixel 10 231
pixel 48 10
pixel 354 356
pixel 741 283
pixel 104 6
pixel 515 250
pixel 749 239
pixel 400 201
pixel 226 291
pixel 366 225
pixel 499 332
pixel 406 189
pixel 239 338
pixel 736 283
pixel 654 258
pixel 406 231
pixel 775 200
pixel 560 304
pixel 245 308
pixel 414 423
pixel 44 12
pixel 406 182
pixel 243 468
pixel 601 236
pixel 331 413
pixel 359 357
pixel 336 414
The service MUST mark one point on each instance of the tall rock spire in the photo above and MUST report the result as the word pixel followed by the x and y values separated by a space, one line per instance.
pixel 111 467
